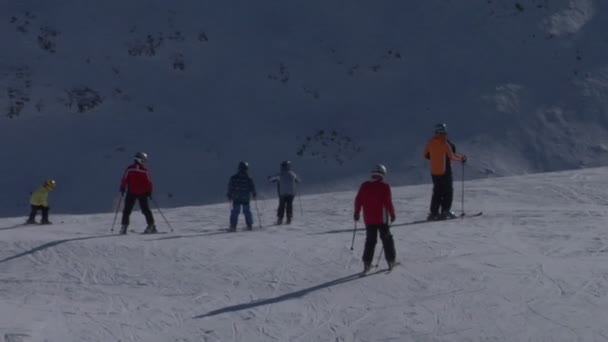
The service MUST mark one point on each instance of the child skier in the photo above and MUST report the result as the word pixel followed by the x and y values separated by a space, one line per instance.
pixel 39 200
pixel 440 151
pixel 137 183
pixel 286 187
pixel 375 198
pixel 240 190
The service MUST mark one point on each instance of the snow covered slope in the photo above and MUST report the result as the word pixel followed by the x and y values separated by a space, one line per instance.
pixel 532 268
pixel 335 86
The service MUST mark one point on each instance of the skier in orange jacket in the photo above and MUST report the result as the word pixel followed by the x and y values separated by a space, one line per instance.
pixel 440 151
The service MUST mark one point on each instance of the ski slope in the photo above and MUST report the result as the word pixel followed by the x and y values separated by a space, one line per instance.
pixel 534 267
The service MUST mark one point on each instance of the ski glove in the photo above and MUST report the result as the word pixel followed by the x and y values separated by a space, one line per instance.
pixel 393 219
pixel 464 159
pixel 356 217
pixel 148 194
pixel 122 192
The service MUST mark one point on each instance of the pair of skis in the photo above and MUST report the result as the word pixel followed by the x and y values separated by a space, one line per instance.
pixel 411 223
pixel 390 269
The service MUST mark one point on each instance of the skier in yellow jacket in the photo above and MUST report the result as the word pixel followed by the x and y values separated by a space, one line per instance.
pixel 40 201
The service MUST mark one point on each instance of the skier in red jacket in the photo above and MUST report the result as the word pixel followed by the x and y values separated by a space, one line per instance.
pixel 375 198
pixel 138 185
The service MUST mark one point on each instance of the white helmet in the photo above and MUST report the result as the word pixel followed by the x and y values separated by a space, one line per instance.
pixel 379 170
pixel 141 157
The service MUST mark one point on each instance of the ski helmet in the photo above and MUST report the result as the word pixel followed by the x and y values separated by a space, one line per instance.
pixel 141 157
pixel 286 165
pixel 243 166
pixel 379 170
pixel 49 184
pixel 441 128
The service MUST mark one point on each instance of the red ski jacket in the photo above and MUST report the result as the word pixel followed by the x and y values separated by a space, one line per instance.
pixel 137 180
pixel 375 198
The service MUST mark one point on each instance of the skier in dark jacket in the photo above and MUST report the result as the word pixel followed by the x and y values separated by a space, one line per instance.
pixel 375 198
pixel 286 187
pixel 138 185
pixel 440 152
pixel 240 190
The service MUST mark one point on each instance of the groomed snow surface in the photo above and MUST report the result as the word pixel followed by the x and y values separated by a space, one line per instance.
pixel 534 267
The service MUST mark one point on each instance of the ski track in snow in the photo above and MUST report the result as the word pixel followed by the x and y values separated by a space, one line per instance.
pixel 533 267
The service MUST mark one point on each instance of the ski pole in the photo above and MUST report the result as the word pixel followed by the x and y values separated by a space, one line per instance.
pixel 300 202
pixel 352 245
pixel 462 193
pixel 161 213
pixel 255 200
pixel 380 256
pixel 116 214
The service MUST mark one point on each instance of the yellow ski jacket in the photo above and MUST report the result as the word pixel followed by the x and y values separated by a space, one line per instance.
pixel 40 197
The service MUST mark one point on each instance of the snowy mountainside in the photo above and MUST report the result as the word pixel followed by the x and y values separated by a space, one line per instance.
pixel 333 86
pixel 532 268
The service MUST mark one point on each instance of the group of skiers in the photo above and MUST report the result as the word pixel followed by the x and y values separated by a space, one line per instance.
pixel 374 197
pixel 241 189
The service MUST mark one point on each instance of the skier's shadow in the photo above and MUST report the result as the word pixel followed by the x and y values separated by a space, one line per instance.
pixel 281 298
pixel 190 236
pixel 210 232
pixel 52 244
pixel 15 226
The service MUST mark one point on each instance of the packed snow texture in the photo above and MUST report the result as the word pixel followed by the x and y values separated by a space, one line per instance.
pixel 334 86
pixel 532 268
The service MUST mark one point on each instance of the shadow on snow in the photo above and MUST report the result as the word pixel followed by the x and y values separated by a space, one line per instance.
pixel 52 244
pixel 281 298
pixel 211 232
pixel 18 225
pixel 190 236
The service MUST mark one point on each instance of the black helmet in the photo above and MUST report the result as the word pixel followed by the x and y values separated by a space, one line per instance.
pixel 285 165
pixel 441 128
pixel 243 166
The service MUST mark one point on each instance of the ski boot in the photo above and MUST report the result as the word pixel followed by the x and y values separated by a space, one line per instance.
pixel 31 221
pixel 367 266
pixel 433 217
pixel 391 265
pixel 448 215
pixel 150 229
pixel 123 229
pixel 232 228
pixel 279 221
pixel 288 220
pixel 46 222
pixel 249 227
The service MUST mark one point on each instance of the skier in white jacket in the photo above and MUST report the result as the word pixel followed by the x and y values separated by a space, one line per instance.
pixel 286 186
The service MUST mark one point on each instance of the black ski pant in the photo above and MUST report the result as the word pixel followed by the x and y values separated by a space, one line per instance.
pixel 443 193
pixel 371 237
pixel 143 205
pixel 285 206
pixel 34 211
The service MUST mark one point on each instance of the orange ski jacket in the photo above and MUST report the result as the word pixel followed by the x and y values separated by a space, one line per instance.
pixel 437 150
